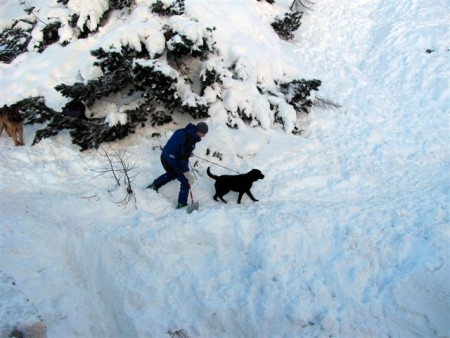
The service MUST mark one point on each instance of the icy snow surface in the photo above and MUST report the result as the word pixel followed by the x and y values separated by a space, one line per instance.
pixel 351 234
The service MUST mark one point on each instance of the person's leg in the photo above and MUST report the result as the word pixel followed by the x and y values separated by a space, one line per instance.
pixel 163 179
pixel 184 191
pixel 168 176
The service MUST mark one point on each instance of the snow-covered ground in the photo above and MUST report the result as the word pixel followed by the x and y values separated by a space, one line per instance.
pixel 350 237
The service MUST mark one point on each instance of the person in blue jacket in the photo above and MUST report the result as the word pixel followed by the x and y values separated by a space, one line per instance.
pixel 175 159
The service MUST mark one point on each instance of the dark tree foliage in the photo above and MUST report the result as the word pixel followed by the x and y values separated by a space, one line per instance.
pixel 127 70
pixel 176 8
pixel 110 61
pixel 89 135
pixel 85 133
pixel 156 85
pixel 210 77
pixel 286 26
pixel 116 67
pixel 34 110
pixel 51 36
pixel 298 93
pixel 154 80
pixel 120 4
pixel 197 112
pixel 14 40
pixel 180 45
pixel 160 87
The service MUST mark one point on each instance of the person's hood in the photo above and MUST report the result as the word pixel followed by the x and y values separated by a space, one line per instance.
pixel 191 129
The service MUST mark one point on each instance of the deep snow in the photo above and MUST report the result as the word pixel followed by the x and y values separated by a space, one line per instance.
pixel 351 234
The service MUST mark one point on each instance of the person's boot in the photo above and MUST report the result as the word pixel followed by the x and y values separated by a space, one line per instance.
pixel 152 186
pixel 181 205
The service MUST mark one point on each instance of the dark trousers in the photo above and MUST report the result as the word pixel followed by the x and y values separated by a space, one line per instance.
pixel 170 175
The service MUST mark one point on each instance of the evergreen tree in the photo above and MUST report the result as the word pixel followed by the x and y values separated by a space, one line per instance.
pixel 14 40
pixel 158 83
pixel 162 8
pixel 163 82
pixel 286 26
pixel 120 4
pixel 116 67
pixel 180 45
pixel 50 36
pixel 298 93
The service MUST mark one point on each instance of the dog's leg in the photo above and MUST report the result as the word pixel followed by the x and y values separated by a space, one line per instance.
pixel 8 129
pixel 20 130
pixel 2 126
pixel 13 133
pixel 251 196
pixel 217 196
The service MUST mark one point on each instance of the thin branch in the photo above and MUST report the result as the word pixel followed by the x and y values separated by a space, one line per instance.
pixel 322 102
pixel 30 10
pixel 119 167
pixel 298 4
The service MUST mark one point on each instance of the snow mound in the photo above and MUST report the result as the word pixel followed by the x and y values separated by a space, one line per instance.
pixel 18 314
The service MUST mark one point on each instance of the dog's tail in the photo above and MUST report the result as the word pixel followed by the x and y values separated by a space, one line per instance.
pixel 208 171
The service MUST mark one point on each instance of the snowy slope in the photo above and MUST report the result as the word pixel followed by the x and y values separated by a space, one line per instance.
pixel 350 237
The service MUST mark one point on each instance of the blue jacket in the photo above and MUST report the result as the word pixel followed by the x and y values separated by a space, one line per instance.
pixel 180 147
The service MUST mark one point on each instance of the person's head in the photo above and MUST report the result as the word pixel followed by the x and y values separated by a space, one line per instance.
pixel 202 129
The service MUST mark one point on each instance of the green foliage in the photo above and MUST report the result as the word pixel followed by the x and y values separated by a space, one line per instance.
pixel 209 77
pixel 198 111
pixel 286 26
pixel 14 40
pixel 34 110
pixel 120 4
pixel 179 45
pixel 298 93
pixel 88 93
pixel 176 8
pixel 116 67
pixel 50 36
pixel 85 133
pixel 157 85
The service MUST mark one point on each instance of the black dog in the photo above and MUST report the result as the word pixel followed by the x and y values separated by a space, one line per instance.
pixel 75 109
pixel 240 183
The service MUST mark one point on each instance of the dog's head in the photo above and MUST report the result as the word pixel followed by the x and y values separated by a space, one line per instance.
pixel 256 174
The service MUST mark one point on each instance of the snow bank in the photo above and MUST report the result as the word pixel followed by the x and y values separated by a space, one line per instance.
pixel 350 237
pixel 17 312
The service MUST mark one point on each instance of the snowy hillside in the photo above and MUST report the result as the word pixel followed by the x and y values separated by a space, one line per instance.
pixel 350 237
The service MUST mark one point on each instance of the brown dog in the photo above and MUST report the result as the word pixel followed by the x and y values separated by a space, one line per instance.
pixel 12 121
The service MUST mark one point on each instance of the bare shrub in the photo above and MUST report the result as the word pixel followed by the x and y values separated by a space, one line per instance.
pixel 121 169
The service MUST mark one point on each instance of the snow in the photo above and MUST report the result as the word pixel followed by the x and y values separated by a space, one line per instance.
pixel 113 119
pixel 89 12
pixel 350 237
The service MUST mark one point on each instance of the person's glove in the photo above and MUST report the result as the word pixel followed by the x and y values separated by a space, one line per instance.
pixel 189 177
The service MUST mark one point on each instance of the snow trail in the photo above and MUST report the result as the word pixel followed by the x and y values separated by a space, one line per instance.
pixel 350 237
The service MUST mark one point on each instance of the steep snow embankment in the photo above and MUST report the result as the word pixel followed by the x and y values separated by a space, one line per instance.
pixel 350 235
